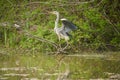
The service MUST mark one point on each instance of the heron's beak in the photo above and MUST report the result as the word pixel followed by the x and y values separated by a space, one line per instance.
pixel 51 12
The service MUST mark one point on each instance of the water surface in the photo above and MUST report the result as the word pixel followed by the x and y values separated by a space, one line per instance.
pixel 49 67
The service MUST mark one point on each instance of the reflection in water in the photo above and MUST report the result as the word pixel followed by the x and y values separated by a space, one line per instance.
pixel 30 79
pixel 13 68
pixel 14 74
pixel 4 78
pixel 20 68
pixel 113 75
pixel 44 67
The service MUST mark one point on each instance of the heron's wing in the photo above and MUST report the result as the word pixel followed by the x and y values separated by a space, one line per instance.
pixel 68 26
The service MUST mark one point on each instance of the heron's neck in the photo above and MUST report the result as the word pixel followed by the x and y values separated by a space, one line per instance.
pixel 56 21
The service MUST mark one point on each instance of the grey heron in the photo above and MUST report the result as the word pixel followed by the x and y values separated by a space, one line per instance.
pixel 67 26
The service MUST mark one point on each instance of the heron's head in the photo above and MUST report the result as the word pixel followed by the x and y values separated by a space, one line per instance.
pixel 54 12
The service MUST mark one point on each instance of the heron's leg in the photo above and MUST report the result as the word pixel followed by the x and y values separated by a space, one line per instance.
pixel 59 41
pixel 66 45
pixel 59 38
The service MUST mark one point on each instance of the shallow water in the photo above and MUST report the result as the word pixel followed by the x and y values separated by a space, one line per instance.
pixel 49 67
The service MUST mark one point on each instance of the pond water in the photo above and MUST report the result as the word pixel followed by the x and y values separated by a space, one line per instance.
pixel 59 67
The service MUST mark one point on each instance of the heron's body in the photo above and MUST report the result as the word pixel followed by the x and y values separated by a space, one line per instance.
pixel 63 32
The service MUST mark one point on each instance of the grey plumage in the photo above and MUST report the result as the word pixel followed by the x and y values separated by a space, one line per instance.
pixel 67 26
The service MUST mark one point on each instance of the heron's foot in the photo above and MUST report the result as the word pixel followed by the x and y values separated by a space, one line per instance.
pixel 65 47
pixel 62 49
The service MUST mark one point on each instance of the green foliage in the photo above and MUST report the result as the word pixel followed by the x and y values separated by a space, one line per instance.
pixel 95 29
